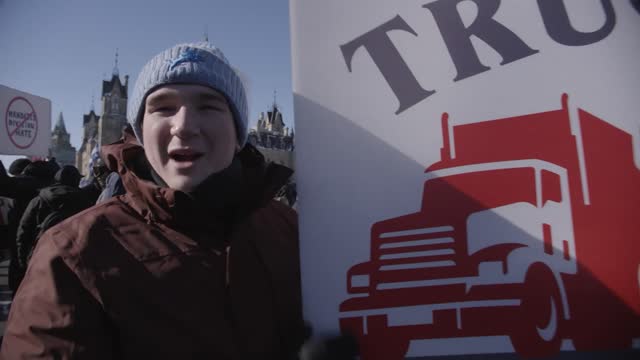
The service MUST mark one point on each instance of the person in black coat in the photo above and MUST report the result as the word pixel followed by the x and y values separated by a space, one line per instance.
pixel 52 205
pixel 21 188
pixel 5 205
pixel 18 165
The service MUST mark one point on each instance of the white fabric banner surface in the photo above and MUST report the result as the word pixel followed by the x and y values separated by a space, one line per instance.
pixel 468 173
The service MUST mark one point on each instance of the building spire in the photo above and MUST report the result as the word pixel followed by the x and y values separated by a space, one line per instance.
pixel 93 102
pixel 275 92
pixel 206 34
pixel 116 72
pixel 60 124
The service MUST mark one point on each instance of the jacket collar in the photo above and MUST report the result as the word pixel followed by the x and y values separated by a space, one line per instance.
pixel 258 184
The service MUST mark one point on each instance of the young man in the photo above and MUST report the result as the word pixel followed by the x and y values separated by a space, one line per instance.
pixel 195 261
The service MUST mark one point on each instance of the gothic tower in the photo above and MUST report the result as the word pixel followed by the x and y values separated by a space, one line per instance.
pixel 273 138
pixel 61 147
pixel 90 123
pixel 114 107
pixel 107 128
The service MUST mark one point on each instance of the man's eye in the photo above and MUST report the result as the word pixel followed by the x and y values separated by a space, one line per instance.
pixel 210 107
pixel 162 109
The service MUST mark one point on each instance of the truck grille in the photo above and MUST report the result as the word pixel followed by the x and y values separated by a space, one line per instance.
pixel 416 243
pixel 423 231
pixel 398 253
pixel 417 254
pixel 420 265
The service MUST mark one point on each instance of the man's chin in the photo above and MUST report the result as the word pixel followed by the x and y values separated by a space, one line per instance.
pixel 184 185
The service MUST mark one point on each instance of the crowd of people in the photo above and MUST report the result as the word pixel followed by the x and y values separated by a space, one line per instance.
pixel 194 257
pixel 36 195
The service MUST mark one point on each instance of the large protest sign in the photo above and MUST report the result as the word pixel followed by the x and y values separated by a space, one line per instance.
pixel 26 123
pixel 469 174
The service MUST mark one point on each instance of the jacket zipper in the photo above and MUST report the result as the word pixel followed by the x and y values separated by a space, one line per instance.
pixel 228 304
pixel 227 273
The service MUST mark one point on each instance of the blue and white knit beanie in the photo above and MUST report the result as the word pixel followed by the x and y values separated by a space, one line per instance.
pixel 200 64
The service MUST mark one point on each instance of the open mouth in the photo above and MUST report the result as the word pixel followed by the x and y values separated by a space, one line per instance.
pixel 184 155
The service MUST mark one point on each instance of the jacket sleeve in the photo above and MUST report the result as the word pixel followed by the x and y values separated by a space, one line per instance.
pixel 27 231
pixel 287 267
pixel 53 316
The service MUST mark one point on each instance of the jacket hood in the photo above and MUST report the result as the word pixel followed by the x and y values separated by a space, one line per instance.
pixel 56 195
pixel 113 154
pixel 259 182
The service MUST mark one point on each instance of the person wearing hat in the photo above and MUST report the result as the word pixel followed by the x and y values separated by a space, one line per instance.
pixel 195 261
pixel 18 165
pixel 27 180
pixel 52 205
pixel 5 206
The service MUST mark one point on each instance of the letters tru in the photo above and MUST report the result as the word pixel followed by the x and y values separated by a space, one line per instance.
pixel 457 38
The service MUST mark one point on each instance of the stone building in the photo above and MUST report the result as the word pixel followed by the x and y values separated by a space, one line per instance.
pixel 106 128
pixel 277 143
pixel 61 148
pixel 90 123
pixel 274 140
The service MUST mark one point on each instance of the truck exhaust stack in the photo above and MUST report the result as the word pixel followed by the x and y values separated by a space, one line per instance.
pixel 445 151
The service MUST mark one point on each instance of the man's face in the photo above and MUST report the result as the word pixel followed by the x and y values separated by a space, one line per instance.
pixel 188 134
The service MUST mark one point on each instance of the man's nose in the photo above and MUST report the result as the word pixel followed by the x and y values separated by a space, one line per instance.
pixel 184 124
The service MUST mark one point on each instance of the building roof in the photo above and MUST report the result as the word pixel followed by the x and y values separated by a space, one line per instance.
pixel 87 117
pixel 272 115
pixel 60 127
pixel 108 85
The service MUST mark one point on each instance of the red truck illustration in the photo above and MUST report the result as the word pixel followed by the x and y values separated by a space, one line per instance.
pixel 528 228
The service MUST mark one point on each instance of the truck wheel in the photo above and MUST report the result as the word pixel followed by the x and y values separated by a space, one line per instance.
pixel 537 331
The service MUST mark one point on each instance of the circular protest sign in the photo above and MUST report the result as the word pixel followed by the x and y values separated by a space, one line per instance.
pixel 21 122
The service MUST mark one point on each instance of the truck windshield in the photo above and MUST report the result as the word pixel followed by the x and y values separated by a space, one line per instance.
pixel 470 192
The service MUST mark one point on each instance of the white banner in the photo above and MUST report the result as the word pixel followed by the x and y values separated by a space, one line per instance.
pixel 469 174
pixel 26 123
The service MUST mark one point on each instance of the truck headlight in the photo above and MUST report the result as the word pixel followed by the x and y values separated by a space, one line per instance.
pixel 360 281
pixel 358 284
pixel 490 269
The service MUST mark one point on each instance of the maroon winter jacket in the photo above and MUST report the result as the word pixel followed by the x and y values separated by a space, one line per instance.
pixel 153 274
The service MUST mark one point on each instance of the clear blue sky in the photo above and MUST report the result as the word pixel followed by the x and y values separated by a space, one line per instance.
pixel 63 49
